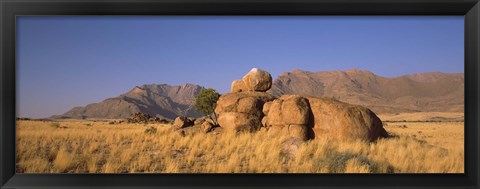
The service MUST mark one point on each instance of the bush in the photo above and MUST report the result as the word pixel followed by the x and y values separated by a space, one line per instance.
pixel 150 130
pixel 206 101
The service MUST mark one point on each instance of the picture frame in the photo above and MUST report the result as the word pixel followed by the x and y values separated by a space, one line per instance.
pixel 11 8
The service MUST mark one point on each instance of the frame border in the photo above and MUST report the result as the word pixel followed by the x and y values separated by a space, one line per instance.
pixel 9 9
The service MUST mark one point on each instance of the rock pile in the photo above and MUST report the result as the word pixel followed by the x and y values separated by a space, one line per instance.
pixel 182 122
pixel 186 126
pixel 248 108
pixel 140 117
pixel 241 110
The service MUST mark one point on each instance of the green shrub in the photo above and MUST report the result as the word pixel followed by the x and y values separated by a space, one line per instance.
pixel 150 131
pixel 206 101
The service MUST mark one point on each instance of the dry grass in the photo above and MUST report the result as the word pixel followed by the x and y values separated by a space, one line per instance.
pixel 423 116
pixel 97 147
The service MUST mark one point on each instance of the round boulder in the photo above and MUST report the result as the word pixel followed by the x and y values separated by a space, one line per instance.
pixel 338 120
pixel 182 122
pixel 257 80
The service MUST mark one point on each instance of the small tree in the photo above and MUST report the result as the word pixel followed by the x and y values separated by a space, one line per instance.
pixel 206 101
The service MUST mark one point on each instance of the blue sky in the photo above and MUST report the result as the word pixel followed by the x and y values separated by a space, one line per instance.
pixel 69 61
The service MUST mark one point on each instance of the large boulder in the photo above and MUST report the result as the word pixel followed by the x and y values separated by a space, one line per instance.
pixel 255 80
pixel 288 110
pixel 242 110
pixel 320 117
pixel 338 120
pixel 289 114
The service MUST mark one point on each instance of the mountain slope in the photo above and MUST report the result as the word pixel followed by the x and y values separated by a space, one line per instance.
pixel 433 91
pixel 157 100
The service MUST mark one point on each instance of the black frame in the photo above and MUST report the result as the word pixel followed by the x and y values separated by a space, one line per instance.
pixel 9 9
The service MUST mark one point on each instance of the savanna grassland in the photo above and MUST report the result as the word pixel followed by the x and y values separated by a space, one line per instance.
pixel 99 147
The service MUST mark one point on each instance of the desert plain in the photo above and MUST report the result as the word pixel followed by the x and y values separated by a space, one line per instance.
pixel 426 142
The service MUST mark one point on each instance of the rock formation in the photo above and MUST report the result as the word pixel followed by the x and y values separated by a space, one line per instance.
pixel 289 114
pixel 321 117
pixel 242 110
pixel 248 108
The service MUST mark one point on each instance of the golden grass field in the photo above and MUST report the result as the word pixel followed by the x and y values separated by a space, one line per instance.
pixel 99 147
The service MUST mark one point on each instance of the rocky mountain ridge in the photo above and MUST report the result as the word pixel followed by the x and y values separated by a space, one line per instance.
pixel 421 92
pixel 160 100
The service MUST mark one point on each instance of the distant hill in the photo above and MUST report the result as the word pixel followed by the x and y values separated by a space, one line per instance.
pixel 162 100
pixel 435 91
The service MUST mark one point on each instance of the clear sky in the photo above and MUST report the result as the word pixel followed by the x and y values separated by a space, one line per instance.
pixel 69 61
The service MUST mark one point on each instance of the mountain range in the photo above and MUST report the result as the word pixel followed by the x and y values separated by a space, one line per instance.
pixel 162 101
pixel 421 92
